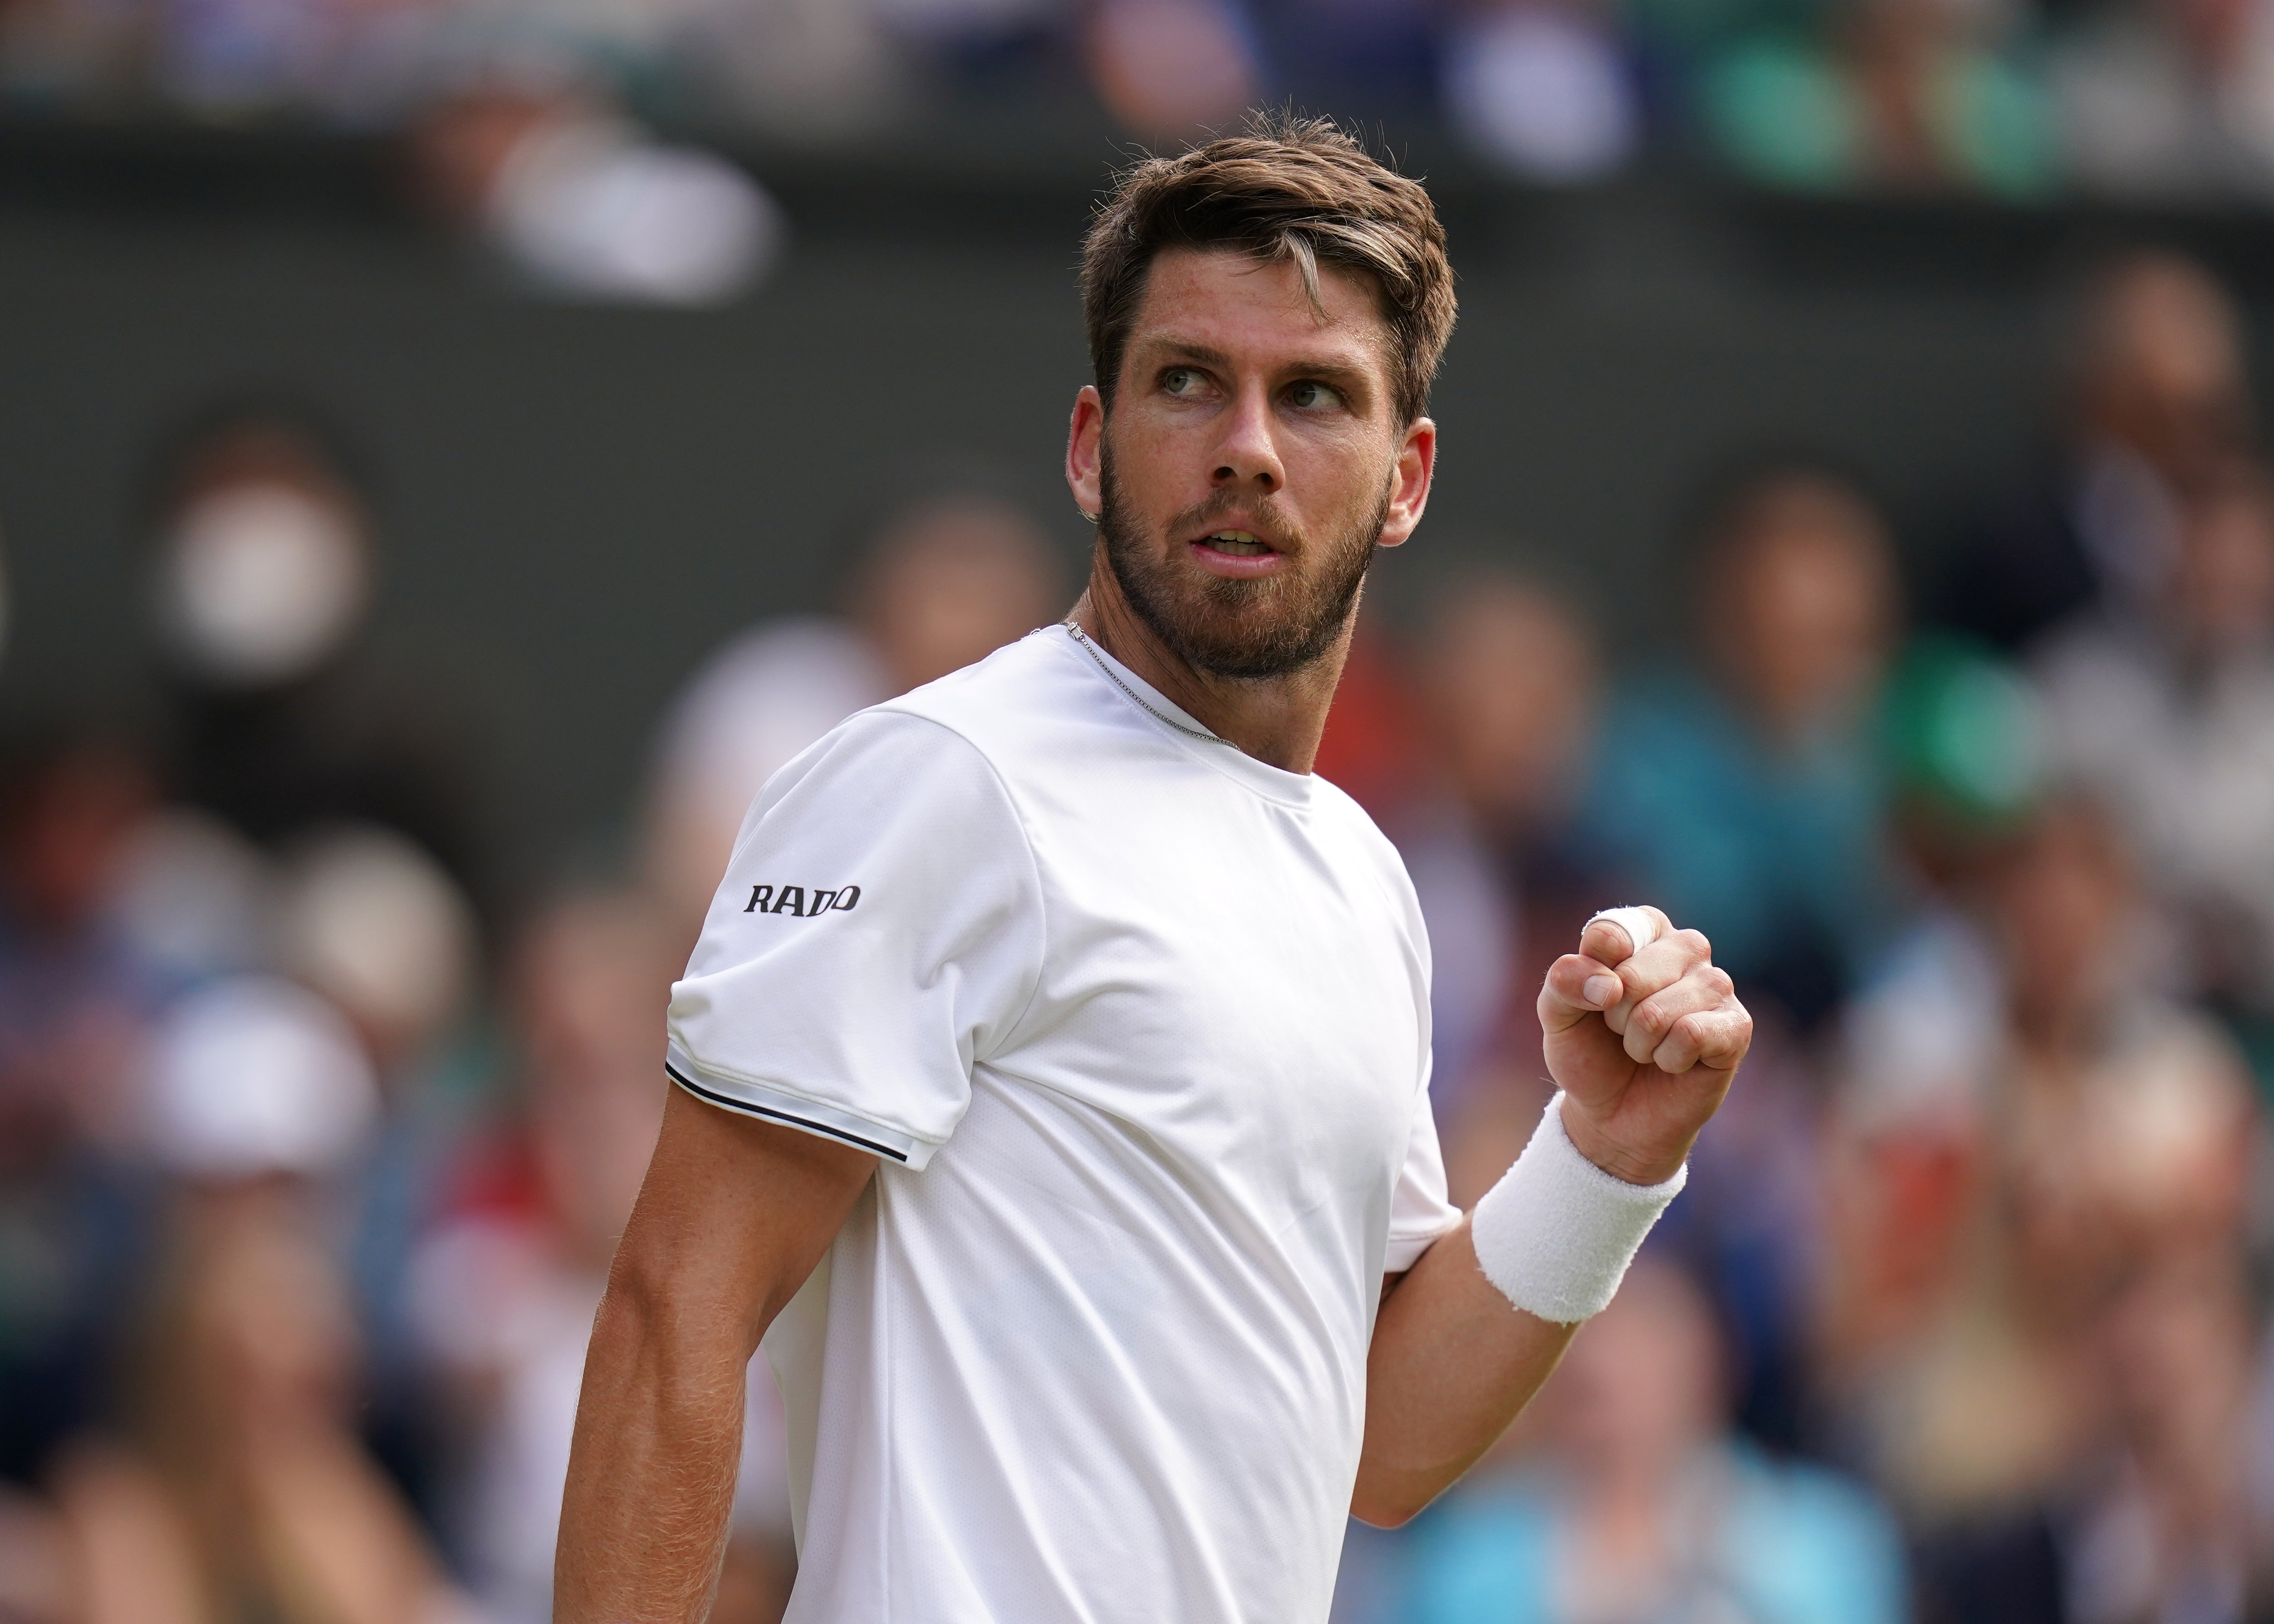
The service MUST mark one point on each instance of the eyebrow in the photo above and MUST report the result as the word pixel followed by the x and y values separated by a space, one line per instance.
pixel 1185 349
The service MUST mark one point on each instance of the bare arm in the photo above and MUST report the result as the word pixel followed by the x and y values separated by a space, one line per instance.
pixel 1451 1366
pixel 734 1216
pixel 1644 1046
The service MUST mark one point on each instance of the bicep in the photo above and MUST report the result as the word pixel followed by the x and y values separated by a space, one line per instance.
pixel 735 1213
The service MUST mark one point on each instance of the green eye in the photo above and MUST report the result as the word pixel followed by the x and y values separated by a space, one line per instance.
pixel 1180 381
pixel 1312 395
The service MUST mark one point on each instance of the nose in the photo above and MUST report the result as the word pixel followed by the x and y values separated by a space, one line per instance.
pixel 1248 454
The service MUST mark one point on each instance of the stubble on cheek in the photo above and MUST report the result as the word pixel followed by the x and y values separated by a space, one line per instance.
pixel 1270 625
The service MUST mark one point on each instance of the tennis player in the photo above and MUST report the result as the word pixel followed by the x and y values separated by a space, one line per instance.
pixel 1052 1074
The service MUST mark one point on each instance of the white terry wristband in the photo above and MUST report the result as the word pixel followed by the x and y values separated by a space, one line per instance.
pixel 1556 1234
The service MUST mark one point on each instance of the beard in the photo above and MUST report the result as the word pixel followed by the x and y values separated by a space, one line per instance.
pixel 1271 626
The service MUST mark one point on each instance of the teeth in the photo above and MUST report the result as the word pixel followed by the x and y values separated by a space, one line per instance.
pixel 1239 544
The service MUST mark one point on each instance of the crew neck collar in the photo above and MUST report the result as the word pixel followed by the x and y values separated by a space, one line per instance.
pixel 1293 788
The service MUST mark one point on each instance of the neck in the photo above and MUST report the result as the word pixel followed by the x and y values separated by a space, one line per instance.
pixel 1277 721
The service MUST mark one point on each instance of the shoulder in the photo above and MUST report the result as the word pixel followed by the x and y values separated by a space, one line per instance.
pixel 1056 735
pixel 948 755
pixel 1019 698
pixel 1355 825
pixel 886 777
pixel 873 751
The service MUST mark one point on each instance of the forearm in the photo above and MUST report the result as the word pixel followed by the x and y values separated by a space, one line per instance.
pixel 1476 1326
pixel 1453 1362
pixel 734 1216
pixel 651 1469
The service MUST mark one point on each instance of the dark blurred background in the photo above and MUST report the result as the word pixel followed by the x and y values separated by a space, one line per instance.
pixel 579 498
pixel 453 451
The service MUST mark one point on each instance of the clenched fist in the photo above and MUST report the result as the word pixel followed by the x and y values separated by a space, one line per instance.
pixel 1644 1044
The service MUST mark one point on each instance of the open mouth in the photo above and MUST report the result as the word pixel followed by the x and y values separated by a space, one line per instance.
pixel 1235 543
pixel 1233 554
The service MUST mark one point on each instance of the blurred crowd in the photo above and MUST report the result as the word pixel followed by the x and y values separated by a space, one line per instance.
pixel 2019 99
pixel 315 1137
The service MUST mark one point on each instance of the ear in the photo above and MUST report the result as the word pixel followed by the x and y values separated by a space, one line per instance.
pixel 1409 491
pixel 1085 435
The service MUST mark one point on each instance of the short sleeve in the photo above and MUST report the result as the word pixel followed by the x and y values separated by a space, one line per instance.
pixel 878 929
pixel 1419 1211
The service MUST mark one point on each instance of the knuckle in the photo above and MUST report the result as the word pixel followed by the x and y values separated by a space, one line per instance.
pixel 1695 943
pixel 1718 982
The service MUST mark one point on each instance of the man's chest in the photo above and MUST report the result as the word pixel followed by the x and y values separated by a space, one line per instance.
pixel 1244 996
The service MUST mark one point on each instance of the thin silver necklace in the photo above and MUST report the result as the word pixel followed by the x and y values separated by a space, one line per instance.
pixel 1137 698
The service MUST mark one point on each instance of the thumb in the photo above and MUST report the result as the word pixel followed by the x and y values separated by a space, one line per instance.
pixel 1577 985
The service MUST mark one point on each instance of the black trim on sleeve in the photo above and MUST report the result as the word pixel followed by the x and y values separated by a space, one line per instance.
pixel 701 1093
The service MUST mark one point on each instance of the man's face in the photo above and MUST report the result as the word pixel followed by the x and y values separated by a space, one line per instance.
pixel 1253 461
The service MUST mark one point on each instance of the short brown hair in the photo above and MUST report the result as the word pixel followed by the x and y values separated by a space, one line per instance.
pixel 1296 190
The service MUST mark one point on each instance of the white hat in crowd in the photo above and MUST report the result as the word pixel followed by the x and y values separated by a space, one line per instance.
pixel 255 1075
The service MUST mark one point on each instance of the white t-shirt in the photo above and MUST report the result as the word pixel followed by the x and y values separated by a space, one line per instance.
pixel 1138 1027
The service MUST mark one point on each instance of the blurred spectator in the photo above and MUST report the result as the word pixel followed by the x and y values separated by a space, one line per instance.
pixel 76 1007
pixel 2158 1522
pixel 2169 98
pixel 1914 93
pixel 1968 758
pixel 1373 747
pixel 254 1076
pixel 66 52
pixel 2168 716
pixel 1506 682
pixel 2107 1131
pixel 193 898
pixel 1643 1506
pixel 1900 1162
pixel 817 71
pixel 1542 90
pixel 2164 1531
pixel 2158 401
pixel 577 201
pixel 1170 70
pixel 234 1485
pixel 508 1287
pixel 1367 59
pixel 265 564
pixel 39 1569
pixel 1746 793
pixel 369 920
pixel 946 579
pixel 2134 98
pixel 74 997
